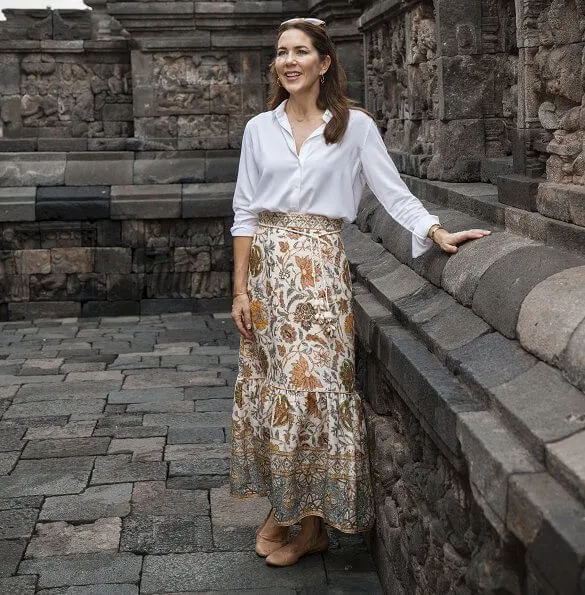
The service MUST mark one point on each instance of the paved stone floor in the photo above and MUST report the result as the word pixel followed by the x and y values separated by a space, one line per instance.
pixel 114 455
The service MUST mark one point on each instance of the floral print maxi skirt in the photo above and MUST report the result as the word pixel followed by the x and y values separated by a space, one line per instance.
pixel 298 430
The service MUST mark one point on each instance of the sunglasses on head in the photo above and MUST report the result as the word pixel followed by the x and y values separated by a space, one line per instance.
pixel 310 20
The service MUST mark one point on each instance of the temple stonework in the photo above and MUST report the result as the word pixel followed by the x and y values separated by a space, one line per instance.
pixel 120 130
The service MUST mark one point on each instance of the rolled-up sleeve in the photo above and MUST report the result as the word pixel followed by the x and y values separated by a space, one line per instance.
pixel 385 182
pixel 245 220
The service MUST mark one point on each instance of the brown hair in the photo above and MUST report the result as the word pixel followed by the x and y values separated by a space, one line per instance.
pixel 331 93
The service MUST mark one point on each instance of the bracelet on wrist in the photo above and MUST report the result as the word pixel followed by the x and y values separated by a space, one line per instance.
pixel 237 293
pixel 433 231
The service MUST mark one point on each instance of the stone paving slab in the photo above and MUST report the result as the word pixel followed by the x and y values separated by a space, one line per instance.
pixel 114 463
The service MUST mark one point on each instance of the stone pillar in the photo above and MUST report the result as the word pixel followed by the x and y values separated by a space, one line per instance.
pixel 477 64
pixel 551 116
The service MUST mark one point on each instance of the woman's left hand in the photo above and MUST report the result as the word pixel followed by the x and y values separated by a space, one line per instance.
pixel 448 242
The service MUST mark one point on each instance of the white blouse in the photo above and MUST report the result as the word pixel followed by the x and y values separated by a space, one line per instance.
pixel 322 179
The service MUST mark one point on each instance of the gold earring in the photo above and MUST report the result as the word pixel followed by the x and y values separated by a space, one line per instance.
pixel 278 81
pixel 322 78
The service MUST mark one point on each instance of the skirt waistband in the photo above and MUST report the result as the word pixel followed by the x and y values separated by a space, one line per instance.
pixel 299 221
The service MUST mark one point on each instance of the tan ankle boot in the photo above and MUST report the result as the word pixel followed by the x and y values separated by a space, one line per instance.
pixel 266 545
pixel 290 554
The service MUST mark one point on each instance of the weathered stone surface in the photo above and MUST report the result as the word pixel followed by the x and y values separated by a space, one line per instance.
pixel 74 429
pixel 562 201
pixel 18 585
pixel 235 522
pixel 542 406
pixel 573 360
pixel 489 361
pixel 153 498
pixel 566 459
pixel 93 503
pixel 463 270
pixel 84 569
pixel 172 378
pixel 32 169
pixel 11 552
pixel 100 167
pixel 504 286
pixel 65 447
pixel 173 167
pixel 113 260
pixel 550 314
pixel 101 536
pixel 66 391
pixel 229 570
pixel 196 435
pixel 55 407
pixel 518 191
pixel 17 524
pixel 146 534
pixel 48 477
pixel 62 203
pixel 493 455
pixel 17 203
pixel 550 522
pixel 118 469
pixel 142 449
pixel 146 202
pixel 201 200
pixel 189 420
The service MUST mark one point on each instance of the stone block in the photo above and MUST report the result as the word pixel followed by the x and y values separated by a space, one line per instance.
pixel 117 112
pixel 79 203
pixel 17 524
pixel 102 535
pixel 32 169
pixel 65 447
pixel 9 78
pixel 458 28
pixel 221 166
pixel 565 460
pixel 125 287
pixel 72 260
pixel 30 310
pixel 493 455
pixel 153 498
pixel 119 469
pixel 550 523
pixel 146 202
pixel 18 585
pixel 196 435
pixel 464 269
pixel 62 144
pixel 11 552
pixel 95 168
pixel 142 449
pixel 113 260
pixel 235 522
pixel 506 283
pixel 119 308
pixel 227 571
pixel 47 477
pixel 84 569
pixel 494 167
pixel 33 262
pixel 174 167
pixel 17 204
pixel 148 534
pixel 550 314
pixel 188 420
pixel 562 201
pixel 68 390
pixel 205 200
pixel 518 191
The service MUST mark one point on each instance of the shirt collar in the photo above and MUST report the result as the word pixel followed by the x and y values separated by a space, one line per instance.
pixel 280 114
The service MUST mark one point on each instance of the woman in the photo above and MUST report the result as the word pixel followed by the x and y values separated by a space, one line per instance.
pixel 298 426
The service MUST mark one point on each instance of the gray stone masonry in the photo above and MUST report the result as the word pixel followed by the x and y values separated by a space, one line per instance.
pixel 115 480
pixel 483 353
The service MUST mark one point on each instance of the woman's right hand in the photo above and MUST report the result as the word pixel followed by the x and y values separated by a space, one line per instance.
pixel 241 315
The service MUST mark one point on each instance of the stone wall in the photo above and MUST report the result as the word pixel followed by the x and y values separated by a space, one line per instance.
pixel 61 89
pixel 115 250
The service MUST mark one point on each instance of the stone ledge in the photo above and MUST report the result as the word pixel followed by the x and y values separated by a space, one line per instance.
pixel 499 436
pixel 493 275
pixel 496 373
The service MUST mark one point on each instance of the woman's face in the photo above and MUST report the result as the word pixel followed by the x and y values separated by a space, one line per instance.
pixel 298 64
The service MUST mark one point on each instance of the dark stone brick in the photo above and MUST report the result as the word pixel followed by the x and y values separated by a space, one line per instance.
pixel 149 307
pixel 109 232
pixel 518 191
pixel 503 287
pixel 121 308
pixel 113 260
pixel 51 287
pixel 11 552
pixel 221 166
pixel 489 361
pixel 73 203
pixel 125 287
pixel 86 287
